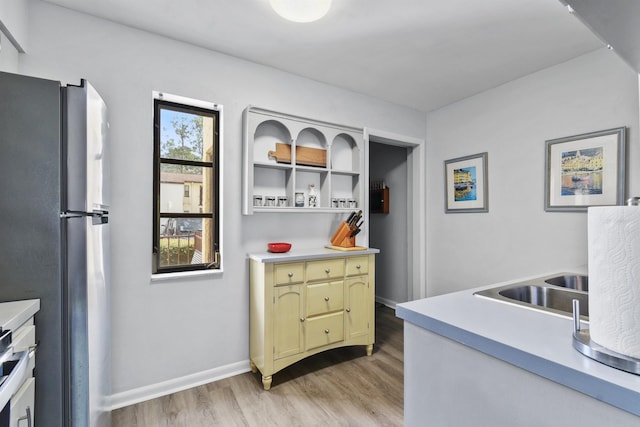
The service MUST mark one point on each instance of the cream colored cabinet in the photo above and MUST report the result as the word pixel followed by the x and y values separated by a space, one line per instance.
pixel 288 315
pixel 301 308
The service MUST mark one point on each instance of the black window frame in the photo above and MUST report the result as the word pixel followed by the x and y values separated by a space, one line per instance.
pixel 214 215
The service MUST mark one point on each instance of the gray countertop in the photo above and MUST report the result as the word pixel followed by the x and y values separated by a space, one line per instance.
pixel 305 254
pixel 541 343
pixel 15 313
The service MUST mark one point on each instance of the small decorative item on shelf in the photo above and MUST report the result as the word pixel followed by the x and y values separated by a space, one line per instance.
pixel 313 196
pixel 299 200
pixel 352 203
pixel 283 201
pixel 279 247
pixel 334 203
pixel 270 201
pixel 257 200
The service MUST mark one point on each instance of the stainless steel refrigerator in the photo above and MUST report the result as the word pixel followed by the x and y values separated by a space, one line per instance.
pixel 54 240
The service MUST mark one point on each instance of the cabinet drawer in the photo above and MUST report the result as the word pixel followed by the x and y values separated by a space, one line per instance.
pixel 324 330
pixel 324 298
pixel 357 265
pixel 24 338
pixel 325 269
pixel 289 273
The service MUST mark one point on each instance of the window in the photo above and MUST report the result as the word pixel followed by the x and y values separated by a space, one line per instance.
pixel 186 230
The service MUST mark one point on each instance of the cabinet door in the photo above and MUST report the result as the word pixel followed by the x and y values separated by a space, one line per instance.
pixel 22 404
pixel 287 323
pixel 358 306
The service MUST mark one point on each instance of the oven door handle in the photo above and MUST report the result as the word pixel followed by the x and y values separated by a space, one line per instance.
pixel 16 377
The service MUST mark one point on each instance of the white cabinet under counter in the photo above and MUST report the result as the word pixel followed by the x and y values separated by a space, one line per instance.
pixel 470 360
pixel 305 302
pixel 17 392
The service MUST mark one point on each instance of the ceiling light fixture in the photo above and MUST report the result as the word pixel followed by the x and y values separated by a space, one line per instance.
pixel 301 10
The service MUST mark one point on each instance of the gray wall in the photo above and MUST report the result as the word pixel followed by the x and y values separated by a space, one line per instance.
pixel 388 232
pixel 184 331
pixel 517 237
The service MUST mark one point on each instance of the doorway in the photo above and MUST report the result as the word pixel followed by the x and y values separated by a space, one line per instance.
pixel 397 161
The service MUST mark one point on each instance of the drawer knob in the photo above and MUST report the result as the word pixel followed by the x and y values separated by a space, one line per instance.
pixel 348 310
pixel 326 298
pixel 302 319
pixel 326 331
pixel 358 266
pixel 328 270
pixel 290 274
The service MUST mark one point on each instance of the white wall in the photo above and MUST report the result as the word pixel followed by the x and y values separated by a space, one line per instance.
pixel 8 55
pixel 517 237
pixel 175 333
pixel 12 24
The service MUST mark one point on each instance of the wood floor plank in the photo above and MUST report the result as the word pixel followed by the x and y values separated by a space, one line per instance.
pixel 339 387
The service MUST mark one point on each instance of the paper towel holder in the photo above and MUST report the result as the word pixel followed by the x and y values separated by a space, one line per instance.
pixel 633 201
pixel 583 343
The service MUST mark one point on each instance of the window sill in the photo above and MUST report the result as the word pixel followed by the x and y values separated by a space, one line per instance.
pixel 165 277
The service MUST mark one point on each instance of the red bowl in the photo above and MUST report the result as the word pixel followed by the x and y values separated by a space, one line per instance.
pixel 279 247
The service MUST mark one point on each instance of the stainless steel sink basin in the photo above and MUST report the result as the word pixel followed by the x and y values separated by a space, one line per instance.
pixel 547 297
pixel 572 281
pixel 551 294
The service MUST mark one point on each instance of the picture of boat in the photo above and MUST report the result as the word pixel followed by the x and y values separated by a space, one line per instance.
pixel 582 171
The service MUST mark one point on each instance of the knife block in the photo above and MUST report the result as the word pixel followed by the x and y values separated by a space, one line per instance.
pixel 342 237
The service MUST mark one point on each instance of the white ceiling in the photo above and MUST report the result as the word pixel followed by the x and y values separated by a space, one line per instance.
pixel 420 53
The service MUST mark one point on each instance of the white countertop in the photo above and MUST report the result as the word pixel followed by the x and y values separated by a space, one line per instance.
pixel 539 342
pixel 15 313
pixel 305 254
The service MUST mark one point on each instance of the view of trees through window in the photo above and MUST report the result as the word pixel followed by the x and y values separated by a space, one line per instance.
pixel 186 180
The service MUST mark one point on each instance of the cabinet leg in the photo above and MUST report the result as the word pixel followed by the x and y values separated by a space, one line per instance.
pixel 369 349
pixel 266 382
pixel 254 368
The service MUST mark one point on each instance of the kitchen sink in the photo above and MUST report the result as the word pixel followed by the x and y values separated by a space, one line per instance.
pixel 549 298
pixel 551 294
pixel 573 281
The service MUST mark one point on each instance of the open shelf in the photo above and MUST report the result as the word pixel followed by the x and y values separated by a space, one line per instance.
pixel 284 154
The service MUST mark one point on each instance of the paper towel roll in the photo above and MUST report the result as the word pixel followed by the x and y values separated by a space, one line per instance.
pixel 614 278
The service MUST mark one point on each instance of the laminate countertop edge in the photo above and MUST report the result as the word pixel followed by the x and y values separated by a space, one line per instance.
pixel 538 342
pixel 15 313
pixel 307 254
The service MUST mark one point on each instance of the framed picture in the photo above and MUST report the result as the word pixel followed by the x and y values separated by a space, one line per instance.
pixel 585 170
pixel 466 185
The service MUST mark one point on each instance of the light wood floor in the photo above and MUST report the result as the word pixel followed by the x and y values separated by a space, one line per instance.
pixel 340 387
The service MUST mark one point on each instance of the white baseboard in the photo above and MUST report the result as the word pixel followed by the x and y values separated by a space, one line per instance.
pixel 141 394
pixel 387 302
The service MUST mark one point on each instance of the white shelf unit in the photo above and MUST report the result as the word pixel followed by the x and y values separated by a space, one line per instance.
pixel 341 178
